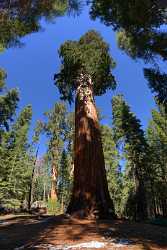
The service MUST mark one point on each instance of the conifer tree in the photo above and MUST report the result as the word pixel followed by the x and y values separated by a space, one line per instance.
pixel 157 139
pixel 16 160
pixel 55 130
pixel 86 72
pixel 64 181
pixel 128 127
pixel 138 24
pixel 112 166
pixel 157 82
pixel 8 104
pixel 12 24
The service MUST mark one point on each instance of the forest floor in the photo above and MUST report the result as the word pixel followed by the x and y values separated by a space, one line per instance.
pixel 62 233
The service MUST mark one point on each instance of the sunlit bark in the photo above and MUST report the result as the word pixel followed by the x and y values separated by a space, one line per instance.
pixel 90 197
pixel 53 193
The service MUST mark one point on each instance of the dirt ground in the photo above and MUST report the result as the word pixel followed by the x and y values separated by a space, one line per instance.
pixel 36 232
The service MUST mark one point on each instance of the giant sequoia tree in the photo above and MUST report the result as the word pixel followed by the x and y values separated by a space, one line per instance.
pixel 85 72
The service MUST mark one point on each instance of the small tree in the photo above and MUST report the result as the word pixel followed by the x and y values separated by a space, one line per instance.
pixel 64 181
pixel 86 71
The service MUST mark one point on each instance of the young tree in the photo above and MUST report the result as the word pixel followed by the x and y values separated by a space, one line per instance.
pixel 86 71
pixel 64 181
pixel 128 127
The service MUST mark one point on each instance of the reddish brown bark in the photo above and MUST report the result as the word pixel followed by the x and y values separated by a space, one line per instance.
pixel 53 193
pixel 90 197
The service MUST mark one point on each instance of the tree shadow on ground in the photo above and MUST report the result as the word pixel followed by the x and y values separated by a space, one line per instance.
pixel 60 230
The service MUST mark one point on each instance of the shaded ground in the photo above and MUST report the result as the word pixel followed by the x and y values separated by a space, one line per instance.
pixel 35 232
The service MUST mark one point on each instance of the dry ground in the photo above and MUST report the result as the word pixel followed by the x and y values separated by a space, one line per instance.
pixel 36 232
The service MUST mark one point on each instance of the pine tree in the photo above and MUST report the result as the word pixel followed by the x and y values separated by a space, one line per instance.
pixel 128 127
pixel 12 24
pixel 112 166
pixel 138 24
pixel 157 81
pixel 157 139
pixel 64 181
pixel 85 72
pixel 8 104
pixel 16 161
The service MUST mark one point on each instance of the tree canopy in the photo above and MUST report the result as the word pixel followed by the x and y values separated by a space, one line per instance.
pixel 157 82
pixel 139 24
pixel 8 103
pixel 90 55
pixel 19 18
pixel 141 33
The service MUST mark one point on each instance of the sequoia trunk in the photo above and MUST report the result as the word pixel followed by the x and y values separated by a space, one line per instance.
pixel 90 197
pixel 53 193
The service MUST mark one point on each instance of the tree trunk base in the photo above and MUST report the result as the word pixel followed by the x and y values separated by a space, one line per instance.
pixel 91 210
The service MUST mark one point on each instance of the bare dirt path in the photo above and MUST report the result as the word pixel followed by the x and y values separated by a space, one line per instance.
pixel 35 232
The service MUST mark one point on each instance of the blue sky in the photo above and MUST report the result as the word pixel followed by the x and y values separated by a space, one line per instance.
pixel 31 69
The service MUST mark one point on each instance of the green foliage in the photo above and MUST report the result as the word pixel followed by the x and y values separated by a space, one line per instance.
pixel 130 15
pixel 126 124
pixel 128 128
pixel 19 18
pixel 55 130
pixel 64 183
pixel 16 161
pixel 147 45
pixel 126 43
pixel 113 170
pixel 157 139
pixel 8 103
pixel 138 23
pixel 41 180
pixel 59 128
pixel 140 34
pixel 144 178
pixel 89 55
pixel 157 81
pixel 2 79
pixel 53 207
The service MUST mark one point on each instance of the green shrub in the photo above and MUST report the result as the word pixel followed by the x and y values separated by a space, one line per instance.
pixel 53 207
